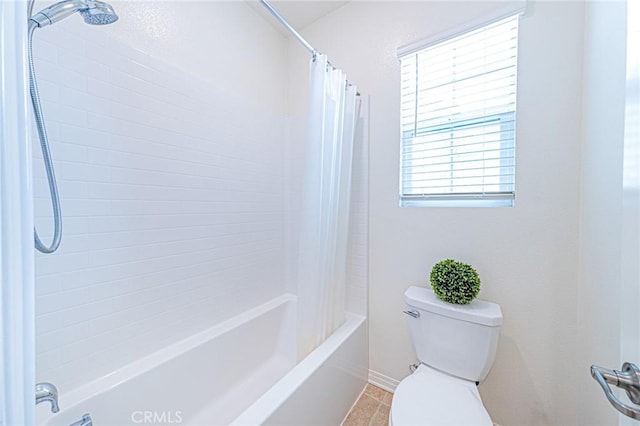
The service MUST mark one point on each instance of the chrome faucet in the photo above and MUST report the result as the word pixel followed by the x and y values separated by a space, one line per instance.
pixel 85 421
pixel 47 392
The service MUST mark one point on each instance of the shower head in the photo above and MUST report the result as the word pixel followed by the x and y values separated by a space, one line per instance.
pixel 100 14
pixel 94 12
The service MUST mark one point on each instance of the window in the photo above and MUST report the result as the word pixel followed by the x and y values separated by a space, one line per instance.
pixel 458 109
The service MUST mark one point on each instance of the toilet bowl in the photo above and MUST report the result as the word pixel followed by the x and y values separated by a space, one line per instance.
pixel 456 346
pixel 429 397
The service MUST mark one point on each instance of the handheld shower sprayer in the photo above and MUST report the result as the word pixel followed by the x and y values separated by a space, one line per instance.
pixel 93 12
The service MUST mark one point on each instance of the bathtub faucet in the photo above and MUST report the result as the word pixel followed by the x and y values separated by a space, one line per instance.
pixel 85 421
pixel 47 392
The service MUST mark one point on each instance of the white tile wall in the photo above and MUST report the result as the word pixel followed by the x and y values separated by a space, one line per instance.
pixel 358 251
pixel 172 197
pixel 178 188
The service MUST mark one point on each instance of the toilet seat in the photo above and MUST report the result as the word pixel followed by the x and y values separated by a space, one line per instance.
pixel 429 398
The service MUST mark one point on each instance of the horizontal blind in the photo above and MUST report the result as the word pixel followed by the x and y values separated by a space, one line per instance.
pixel 458 105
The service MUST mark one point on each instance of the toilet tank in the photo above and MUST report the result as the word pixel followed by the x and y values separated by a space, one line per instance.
pixel 460 340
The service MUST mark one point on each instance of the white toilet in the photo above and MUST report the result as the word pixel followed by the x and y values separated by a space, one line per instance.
pixel 456 345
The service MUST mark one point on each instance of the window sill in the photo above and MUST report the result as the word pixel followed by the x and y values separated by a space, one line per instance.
pixel 483 202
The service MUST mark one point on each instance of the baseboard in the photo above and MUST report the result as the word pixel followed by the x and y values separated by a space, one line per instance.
pixel 385 382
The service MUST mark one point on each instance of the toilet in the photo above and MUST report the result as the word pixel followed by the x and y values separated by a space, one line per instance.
pixel 456 346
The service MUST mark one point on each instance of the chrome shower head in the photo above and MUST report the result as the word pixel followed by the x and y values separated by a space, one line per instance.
pixel 94 12
pixel 99 13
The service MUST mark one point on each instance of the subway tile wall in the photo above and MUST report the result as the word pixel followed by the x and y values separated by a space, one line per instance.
pixel 358 249
pixel 173 205
pixel 179 202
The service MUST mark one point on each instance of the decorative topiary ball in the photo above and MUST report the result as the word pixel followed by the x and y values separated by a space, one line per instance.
pixel 455 282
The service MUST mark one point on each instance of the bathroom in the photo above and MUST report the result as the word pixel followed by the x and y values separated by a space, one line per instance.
pixel 177 135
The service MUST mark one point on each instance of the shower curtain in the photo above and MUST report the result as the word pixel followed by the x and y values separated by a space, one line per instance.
pixel 324 231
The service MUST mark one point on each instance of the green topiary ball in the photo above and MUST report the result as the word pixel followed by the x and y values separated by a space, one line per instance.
pixel 455 282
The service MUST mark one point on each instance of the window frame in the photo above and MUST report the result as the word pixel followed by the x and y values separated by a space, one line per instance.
pixel 470 199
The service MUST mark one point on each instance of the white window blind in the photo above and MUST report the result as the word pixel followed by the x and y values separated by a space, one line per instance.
pixel 458 119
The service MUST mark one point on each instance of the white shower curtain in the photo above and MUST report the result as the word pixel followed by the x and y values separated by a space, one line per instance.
pixel 333 111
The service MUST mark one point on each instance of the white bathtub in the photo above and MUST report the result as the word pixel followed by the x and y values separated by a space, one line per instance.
pixel 241 372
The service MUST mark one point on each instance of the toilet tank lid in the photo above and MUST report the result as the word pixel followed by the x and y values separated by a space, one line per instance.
pixel 478 311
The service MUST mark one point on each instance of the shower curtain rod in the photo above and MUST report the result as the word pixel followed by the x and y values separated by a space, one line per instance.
pixel 288 26
pixel 295 33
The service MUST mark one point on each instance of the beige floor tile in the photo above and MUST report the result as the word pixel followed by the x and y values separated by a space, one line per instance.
pixel 354 420
pixel 375 392
pixel 387 398
pixel 371 409
pixel 381 418
pixel 362 411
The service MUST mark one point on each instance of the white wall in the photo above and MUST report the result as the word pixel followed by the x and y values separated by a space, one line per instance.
pixel 167 134
pixel 17 321
pixel 224 42
pixel 630 266
pixel 599 293
pixel 527 256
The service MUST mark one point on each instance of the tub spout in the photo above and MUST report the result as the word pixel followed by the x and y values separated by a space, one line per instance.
pixel 85 421
pixel 47 392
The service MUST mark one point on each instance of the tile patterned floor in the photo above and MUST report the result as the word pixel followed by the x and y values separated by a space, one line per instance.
pixel 372 409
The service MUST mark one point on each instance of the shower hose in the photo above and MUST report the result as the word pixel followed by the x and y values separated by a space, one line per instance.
pixel 46 154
